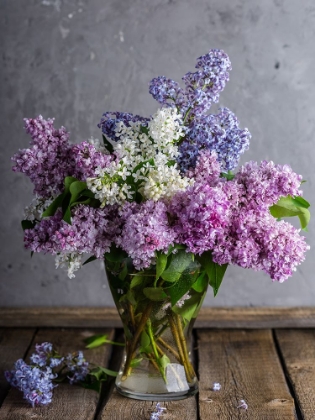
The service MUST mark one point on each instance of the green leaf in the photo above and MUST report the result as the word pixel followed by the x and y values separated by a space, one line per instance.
pixel 179 262
pixel 215 272
pixel 67 216
pixel 161 261
pixel 68 181
pixel 53 207
pixel 95 341
pixel 228 175
pixel 76 188
pixel 187 279
pixel 290 207
pixel 201 282
pixel 28 224
pixel 93 258
pixel 137 280
pixel 108 144
pixel 145 342
pixel 164 361
pixel 155 293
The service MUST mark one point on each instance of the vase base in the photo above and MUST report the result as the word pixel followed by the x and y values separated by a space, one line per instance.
pixel 167 396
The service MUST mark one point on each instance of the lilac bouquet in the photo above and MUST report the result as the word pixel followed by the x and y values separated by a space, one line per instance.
pixel 160 198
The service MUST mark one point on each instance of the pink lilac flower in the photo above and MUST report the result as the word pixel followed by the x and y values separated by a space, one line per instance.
pixel 207 168
pixel 256 240
pixel 87 159
pixel 146 230
pixel 49 160
pixel 92 231
pixel 266 182
pixel 201 214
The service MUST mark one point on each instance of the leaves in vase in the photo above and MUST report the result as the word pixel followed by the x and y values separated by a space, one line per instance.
pixel 179 262
pixel 155 293
pixel 215 272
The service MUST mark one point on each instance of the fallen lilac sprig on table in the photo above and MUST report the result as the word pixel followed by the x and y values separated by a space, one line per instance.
pixel 38 379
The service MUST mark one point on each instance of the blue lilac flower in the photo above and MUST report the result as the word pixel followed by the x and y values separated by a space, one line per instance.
pixel 49 160
pixel 157 412
pixel 166 91
pixel 204 86
pixel 220 133
pixel 78 367
pixel 110 120
pixel 35 383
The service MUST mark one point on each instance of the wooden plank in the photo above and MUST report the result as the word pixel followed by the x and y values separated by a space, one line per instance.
pixel 13 346
pixel 241 317
pixel 298 351
pixel 246 364
pixel 122 408
pixel 69 402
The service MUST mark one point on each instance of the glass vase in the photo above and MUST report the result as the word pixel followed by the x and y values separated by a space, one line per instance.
pixel 158 317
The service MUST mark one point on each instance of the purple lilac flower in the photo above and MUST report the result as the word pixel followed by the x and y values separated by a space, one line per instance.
pixel 92 231
pixel 35 383
pixel 266 182
pixel 204 86
pixel 87 159
pixel 78 367
pixel 201 214
pixel 110 120
pixel 220 133
pixel 254 239
pixel 145 231
pixel 49 159
pixel 166 91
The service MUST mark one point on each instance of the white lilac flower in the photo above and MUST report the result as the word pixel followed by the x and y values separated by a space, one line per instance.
pixel 243 405
pixel 216 386
pixel 72 261
pixel 36 208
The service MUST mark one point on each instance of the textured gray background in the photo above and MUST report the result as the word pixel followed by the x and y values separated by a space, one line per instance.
pixel 76 59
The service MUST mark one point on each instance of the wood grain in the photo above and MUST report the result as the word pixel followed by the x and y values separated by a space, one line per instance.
pixel 69 402
pixel 246 364
pixel 121 408
pixel 242 317
pixel 298 351
pixel 13 346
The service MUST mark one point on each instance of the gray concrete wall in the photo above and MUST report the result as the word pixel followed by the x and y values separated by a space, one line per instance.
pixel 75 59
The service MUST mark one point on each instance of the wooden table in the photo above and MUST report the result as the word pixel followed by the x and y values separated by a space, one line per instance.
pixel 265 356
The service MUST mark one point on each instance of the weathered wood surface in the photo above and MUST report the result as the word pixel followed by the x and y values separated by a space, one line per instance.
pixel 69 402
pixel 298 352
pixel 243 317
pixel 13 346
pixel 121 408
pixel 246 364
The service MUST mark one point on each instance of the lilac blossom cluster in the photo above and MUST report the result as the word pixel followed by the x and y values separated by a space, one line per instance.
pixel 163 182
pixel 146 230
pixel 110 120
pixel 78 367
pixel 36 380
pixel 220 133
pixel 90 232
pixel 49 160
pixel 88 160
